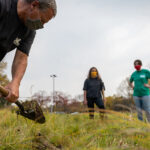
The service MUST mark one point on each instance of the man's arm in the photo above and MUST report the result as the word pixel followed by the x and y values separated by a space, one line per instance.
pixel 130 82
pixel 18 69
pixel 131 85
pixel 147 85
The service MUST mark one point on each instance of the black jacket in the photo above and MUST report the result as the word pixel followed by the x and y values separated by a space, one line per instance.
pixel 93 87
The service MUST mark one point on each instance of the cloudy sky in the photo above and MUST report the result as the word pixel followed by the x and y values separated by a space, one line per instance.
pixel 107 34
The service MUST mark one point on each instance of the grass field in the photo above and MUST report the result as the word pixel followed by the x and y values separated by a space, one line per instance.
pixel 73 132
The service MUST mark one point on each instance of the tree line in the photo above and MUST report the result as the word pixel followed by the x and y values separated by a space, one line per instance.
pixel 122 101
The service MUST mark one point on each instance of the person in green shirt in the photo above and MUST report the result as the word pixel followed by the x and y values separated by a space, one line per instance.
pixel 141 89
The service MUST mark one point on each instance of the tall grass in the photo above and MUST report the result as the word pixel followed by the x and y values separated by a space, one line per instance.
pixel 118 131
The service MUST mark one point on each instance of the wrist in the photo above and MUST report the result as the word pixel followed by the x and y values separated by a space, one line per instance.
pixel 15 83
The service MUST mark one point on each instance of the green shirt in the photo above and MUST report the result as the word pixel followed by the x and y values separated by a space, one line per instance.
pixel 140 78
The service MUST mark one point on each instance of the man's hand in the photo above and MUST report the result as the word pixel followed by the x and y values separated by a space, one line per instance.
pixel 147 85
pixel 13 89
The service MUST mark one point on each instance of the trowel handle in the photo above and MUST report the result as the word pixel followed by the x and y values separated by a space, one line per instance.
pixel 5 93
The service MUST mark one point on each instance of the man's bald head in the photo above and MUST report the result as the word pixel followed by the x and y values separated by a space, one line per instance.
pixel 44 4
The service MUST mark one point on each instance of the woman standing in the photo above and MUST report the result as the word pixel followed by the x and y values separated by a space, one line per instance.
pixel 94 92
pixel 141 94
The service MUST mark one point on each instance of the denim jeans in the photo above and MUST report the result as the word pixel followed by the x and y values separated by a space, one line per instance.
pixel 142 103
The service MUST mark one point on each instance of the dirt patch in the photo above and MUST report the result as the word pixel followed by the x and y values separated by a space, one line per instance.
pixel 41 143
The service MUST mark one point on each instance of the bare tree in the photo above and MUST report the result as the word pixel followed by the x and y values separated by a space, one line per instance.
pixel 42 98
pixel 124 89
pixel 79 97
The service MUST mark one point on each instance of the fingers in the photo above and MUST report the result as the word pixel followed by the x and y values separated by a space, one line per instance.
pixel 13 92
pixel 12 96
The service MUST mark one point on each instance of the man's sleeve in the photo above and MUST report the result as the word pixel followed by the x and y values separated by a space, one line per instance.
pixel 148 74
pixel 85 85
pixel 131 78
pixel 25 44
pixel 0 8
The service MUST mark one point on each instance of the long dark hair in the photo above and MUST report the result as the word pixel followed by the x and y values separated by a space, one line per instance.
pixel 98 75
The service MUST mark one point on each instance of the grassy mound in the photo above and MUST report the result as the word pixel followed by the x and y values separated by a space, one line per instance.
pixel 117 131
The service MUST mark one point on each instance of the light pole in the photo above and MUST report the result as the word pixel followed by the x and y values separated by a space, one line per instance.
pixel 53 76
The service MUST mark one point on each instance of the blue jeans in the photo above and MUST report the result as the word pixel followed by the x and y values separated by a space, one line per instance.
pixel 142 103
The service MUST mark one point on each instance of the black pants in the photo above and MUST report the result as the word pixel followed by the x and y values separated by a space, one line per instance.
pixel 99 102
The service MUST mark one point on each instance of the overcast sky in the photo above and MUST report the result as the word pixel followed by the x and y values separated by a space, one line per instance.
pixel 107 34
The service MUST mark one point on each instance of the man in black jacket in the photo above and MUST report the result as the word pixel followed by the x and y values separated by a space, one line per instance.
pixel 19 20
